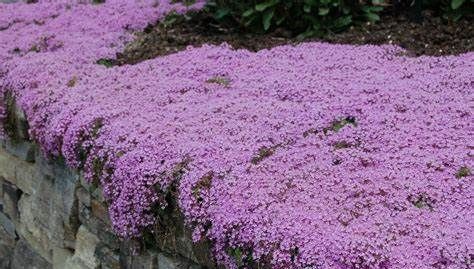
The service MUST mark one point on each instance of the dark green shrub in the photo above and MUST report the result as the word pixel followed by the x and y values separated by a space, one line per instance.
pixel 318 17
pixel 310 17
pixel 451 9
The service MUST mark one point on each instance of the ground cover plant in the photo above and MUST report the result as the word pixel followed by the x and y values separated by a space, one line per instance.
pixel 308 156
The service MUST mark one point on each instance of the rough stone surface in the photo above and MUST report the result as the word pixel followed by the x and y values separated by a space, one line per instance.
pixel 51 218
pixel 84 256
pixel 10 195
pixel 23 150
pixel 7 241
pixel 166 262
pixel 25 257
pixel 60 257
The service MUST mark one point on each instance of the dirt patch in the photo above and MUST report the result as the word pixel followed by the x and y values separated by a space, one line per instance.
pixel 433 36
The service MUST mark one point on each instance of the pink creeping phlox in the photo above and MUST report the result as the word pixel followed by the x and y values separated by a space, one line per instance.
pixel 312 156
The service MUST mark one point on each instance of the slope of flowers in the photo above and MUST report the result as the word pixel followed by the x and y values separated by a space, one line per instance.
pixel 314 156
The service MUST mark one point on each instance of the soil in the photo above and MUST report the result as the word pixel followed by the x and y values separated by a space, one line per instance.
pixel 433 36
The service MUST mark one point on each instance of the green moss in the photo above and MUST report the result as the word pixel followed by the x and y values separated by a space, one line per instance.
pixel 14 128
pixel 342 145
pixel 72 82
pixel 339 124
pixel 309 132
pixel 243 258
pixel 34 48
pixel 9 123
pixel 83 152
pixel 203 184
pixel 98 124
pixel 263 152
pixel 335 126
pixel 463 172
pixel 237 255
pixel 294 252
pixel 223 81
pixel 422 201
pixel 107 62
pixel 97 168
pixel 170 19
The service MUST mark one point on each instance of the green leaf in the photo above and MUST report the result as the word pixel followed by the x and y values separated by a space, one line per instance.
pixel 280 20
pixel 267 19
pixel 248 12
pixel 107 62
pixel 372 17
pixel 237 254
pixel 377 9
pixel 455 4
pixel 456 17
pixel 310 2
pixel 221 13
pixel 262 6
pixel 342 22
pixel 371 9
pixel 307 8
pixel 248 21
pixel 378 2
pixel 323 11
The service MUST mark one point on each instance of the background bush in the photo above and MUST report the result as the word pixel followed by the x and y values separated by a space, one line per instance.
pixel 451 9
pixel 318 17
pixel 311 17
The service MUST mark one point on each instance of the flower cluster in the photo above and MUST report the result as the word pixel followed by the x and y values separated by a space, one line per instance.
pixel 308 156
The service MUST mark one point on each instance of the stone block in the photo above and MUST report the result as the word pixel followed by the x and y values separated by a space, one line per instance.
pixel 27 177
pixel 10 196
pixel 7 166
pixel 83 196
pixel 23 150
pixel 60 257
pixel 109 259
pixel 5 256
pixel 25 257
pixel 7 241
pixel 31 228
pixel 7 226
pixel 85 253
pixel 99 210
pixel 8 234
pixel 98 227
pixel 146 260
pixel 168 262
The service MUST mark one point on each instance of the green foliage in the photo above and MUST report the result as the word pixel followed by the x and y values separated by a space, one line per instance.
pixel 243 257
pixel 463 172
pixel 339 124
pixel 107 62
pixel 318 17
pixel 305 17
pixel 237 255
pixel 451 9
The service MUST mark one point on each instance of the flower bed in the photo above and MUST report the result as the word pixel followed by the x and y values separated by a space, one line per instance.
pixel 318 155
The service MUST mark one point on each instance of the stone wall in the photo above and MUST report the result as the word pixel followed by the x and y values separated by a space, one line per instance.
pixel 51 218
